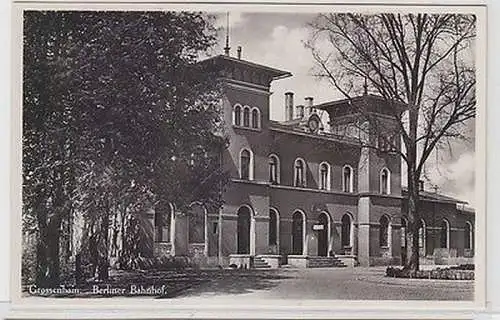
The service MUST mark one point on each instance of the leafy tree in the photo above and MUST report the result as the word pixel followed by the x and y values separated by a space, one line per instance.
pixel 110 98
pixel 423 62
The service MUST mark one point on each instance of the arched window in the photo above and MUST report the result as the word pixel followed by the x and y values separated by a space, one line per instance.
pixel 324 176
pixel 422 237
pixel 468 236
pixel 274 169
pixel 444 234
pixel 196 219
pixel 385 181
pixel 273 227
pixel 347 182
pixel 163 220
pixel 246 116
pixel 255 118
pixel 298 232
pixel 346 231
pixel 246 165
pixel 403 232
pixel 323 235
pixel 243 230
pixel 237 115
pixel 299 173
pixel 384 232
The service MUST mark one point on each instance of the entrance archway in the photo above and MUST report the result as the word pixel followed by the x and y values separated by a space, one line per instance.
pixel 324 221
pixel 298 233
pixel 244 220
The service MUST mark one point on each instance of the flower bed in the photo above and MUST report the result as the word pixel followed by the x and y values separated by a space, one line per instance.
pixel 439 273
pixel 463 267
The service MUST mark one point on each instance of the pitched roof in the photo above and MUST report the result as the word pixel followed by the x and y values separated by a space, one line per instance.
pixel 434 196
pixel 335 103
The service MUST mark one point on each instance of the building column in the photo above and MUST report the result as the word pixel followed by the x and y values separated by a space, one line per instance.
pixel 219 238
pixel 207 230
pixel 364 231
pixel 172 233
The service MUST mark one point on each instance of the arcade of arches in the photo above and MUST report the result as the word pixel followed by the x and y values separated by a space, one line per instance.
pixel 299 235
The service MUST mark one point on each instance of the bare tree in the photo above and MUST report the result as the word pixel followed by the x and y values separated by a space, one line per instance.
pixel 421 65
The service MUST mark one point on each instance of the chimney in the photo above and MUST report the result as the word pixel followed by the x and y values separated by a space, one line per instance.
pixel 299 112
pixel 421 185
pixel 308 103
pixel 239 52
pixel 288 106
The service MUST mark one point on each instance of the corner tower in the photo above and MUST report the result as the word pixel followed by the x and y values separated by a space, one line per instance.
pixel 373 122
pixel 245 103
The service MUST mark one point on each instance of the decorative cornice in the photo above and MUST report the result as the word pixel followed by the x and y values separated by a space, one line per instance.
pixel 339 193
pixel 379 195
pixel 255 182
pixel 283 129
pixel 247 128
pixel 247 86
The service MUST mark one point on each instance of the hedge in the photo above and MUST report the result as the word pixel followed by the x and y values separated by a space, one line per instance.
pixel 438 273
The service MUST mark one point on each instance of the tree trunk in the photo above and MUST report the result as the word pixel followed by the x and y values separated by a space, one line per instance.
pixel 47 274
pixel 103 262
pixel 53 246
pixel 413 253
pixel 41 257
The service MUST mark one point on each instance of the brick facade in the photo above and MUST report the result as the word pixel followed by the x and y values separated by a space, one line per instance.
pixel 247 86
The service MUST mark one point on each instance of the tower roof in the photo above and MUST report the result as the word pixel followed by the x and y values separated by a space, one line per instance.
pixel 274 73
pixel 367 103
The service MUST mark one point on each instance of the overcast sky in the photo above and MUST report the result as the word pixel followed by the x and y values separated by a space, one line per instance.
pixel 276 40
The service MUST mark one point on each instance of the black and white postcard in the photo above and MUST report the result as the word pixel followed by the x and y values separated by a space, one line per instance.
pixel 251 155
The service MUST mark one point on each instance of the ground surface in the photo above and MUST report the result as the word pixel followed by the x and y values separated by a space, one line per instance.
pixel 338 283
pixel 286 283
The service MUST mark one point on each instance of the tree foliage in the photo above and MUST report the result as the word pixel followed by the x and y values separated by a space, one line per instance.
pixel 117 113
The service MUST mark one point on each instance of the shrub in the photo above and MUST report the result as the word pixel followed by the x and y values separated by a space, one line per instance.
pixel 438 273
pixel 165 263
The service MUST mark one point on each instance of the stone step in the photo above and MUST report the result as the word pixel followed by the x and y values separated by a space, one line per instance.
pixel 259 263
pixel 322 262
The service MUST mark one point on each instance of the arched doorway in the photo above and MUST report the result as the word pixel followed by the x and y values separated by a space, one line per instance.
pixel 323 234
pixel 273 230
pixel 298 233
pixel 244 219
pixel 346 231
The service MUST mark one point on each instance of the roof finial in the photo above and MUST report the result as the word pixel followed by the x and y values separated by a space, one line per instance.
pixel 365 86
pixel 436 188
pixel 227 48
